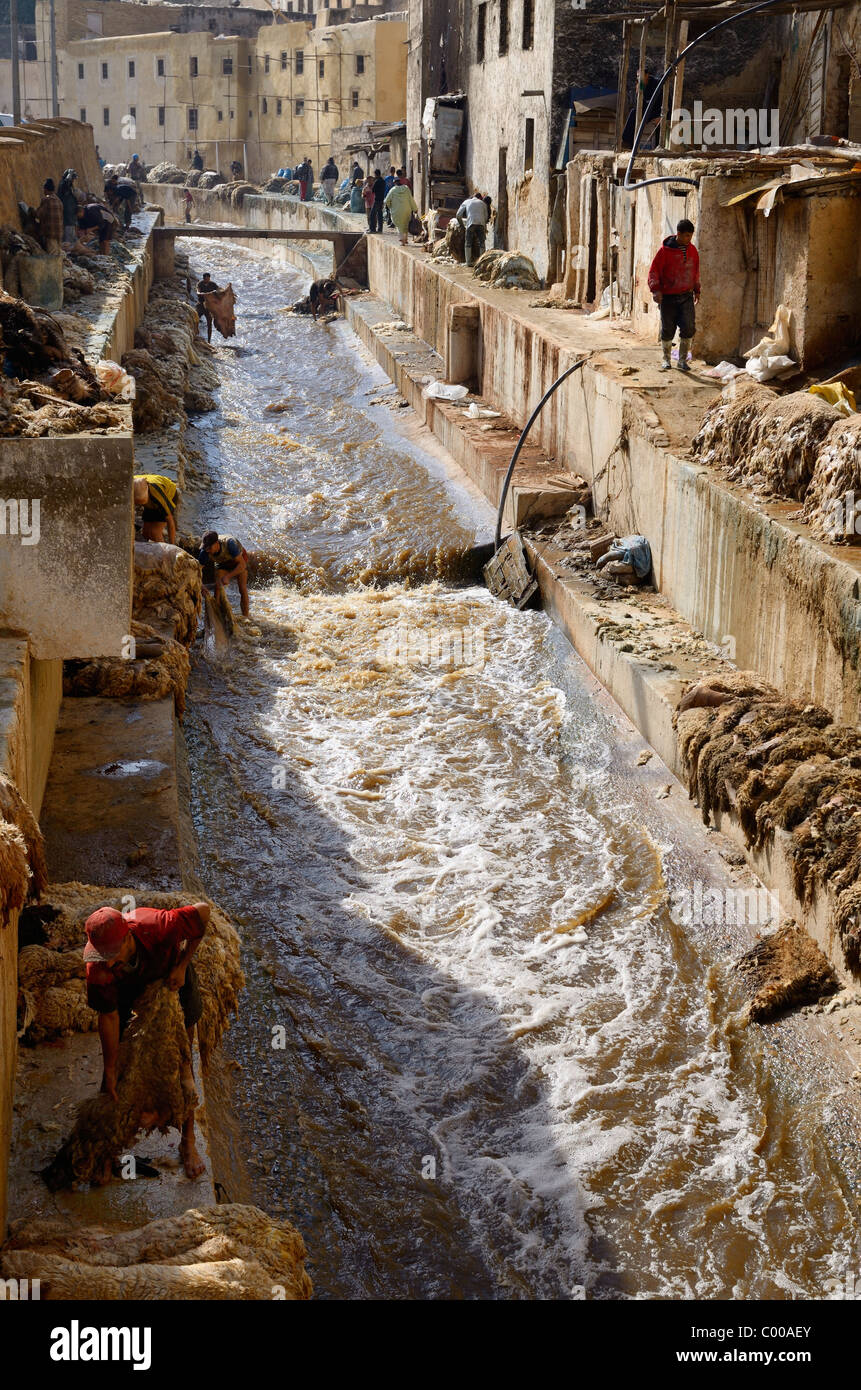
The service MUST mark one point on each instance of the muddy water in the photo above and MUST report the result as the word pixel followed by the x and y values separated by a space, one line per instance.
pixel 476 1057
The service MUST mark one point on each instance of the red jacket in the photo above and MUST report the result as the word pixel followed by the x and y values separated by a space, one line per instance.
pixel 675 269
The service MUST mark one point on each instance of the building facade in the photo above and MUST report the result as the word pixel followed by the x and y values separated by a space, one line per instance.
pixel 234 83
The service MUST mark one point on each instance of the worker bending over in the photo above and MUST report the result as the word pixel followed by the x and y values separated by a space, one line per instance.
pixel 125 952
pixel 231 562
pixel 324 296
pixel 159 497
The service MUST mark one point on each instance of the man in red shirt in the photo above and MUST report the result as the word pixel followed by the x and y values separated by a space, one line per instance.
pixel 674 279
pixel 124 953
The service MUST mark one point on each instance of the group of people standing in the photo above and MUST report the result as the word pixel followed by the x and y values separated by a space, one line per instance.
pixel 390 198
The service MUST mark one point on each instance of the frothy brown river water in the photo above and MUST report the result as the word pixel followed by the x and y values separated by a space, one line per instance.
pixel 506 1071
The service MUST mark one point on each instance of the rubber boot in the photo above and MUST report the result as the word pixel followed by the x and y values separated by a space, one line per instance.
pixel 667 350
pixel 684 349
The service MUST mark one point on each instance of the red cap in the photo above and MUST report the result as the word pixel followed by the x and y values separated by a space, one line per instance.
pixel 106 931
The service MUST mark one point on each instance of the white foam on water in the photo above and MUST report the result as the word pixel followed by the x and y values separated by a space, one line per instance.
pixel 548 1032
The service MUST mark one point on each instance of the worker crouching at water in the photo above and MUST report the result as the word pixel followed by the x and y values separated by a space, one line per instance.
pixel 124 953
pixel 159 497
pixel 231 562
pixel 325 297
pixel 674 279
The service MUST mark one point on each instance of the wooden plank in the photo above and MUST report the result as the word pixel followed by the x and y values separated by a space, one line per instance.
pixel 623 83
pixel 679 75
pixel 644 31
pixel 669 50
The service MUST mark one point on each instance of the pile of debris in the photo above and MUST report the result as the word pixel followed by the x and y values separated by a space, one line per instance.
pixel 167 361
pixel 228 1251
pixel 795 446
pixel 782 971
pixel 167 590
pixel 210 178
pixel 781 765
pixel 160 667
pixel 51 388
pixel 507 270
pixel 166 173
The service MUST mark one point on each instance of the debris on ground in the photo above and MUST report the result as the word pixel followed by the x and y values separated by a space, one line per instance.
pixel 779 764
pixel 160 668
pixel 758 436
pixel 836 473
pixel 628 560
pixel 229 1251
pixel 783 971
pixel 507 270
pixel 52 995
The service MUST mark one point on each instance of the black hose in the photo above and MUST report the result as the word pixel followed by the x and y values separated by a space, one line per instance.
pixel 674 178
pixel 526 428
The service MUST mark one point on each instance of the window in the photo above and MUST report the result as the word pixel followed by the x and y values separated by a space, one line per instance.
pixel 192 67
pixel 265 107
pixel 80 72
pixel 83 115
pixel 354 99
pixel 326 104
pixel 299 62
pixel 227 67
pixel 104 72
pixel 106 115
pixel 503 28
pixel 278 107
pixel 300 107
pixel 283 62
pixel 266 63
pixel 133 113
pixel 159 67
pixel 192 118
pixel 289 6
pixel 325 4
pixel 161 115
pixel 230 115
pixel 360 64
pixel 131 67
pixel 480 31
pixel 529 145
pixel 322 67
pixel 250 65
pixel 219 116
pixel 213 24
pixel 528 23
pixel 94 23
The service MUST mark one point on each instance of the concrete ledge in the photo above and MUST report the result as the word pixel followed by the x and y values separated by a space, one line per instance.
pixel 71 590
pixel 111 804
